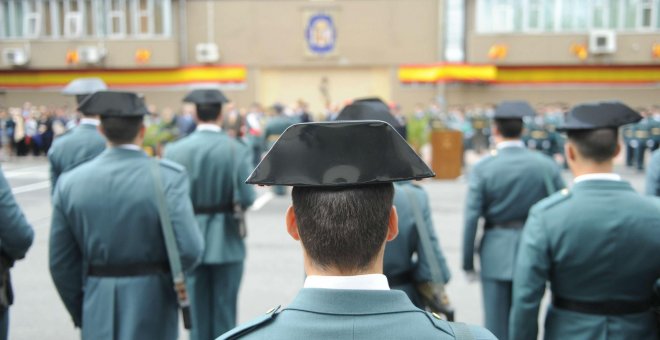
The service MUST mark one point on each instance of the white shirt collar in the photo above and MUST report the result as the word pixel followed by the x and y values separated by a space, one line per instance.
pixel 90 121
pixel 510 144
pixel 208 127
pixel 357 282
pixel 599 176
pixel 129 147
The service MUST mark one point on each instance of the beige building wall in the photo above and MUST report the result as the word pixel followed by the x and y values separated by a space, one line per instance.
pixel 553 48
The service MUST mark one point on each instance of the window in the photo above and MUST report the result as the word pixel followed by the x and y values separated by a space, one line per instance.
pixel 116 24
pixel 496 16
pixel 32 18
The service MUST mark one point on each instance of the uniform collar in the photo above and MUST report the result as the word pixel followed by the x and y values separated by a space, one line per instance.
pixel 363 282
pixel 208 127
pixel 90 121
pixel 597 176
pixel 129 147
pixel 352 302
pixel 510 144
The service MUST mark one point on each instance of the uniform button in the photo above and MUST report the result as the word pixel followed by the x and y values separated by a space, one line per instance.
pixel 564 191
pixel 435 315
pixel 271 310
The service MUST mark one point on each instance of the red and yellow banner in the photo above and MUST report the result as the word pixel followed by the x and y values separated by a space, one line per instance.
pixel 447 72
pixel 435 73
pixel 34 79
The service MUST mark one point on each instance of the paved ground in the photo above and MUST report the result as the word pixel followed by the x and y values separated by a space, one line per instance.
pixel 273 272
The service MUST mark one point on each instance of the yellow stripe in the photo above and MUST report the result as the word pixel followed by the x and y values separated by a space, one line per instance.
pixel 125 77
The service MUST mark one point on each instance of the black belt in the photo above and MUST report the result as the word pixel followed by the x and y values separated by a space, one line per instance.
pixel 602 307
pixel 515 224
pixel 218 209
pixel 133 269
pixel 401 279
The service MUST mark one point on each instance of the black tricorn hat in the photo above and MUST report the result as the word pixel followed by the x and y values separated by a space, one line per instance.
pixel 339 154
pixel 205 96
pixel 591 116
pixel 114 104
pixel 513 109
pixel 368 109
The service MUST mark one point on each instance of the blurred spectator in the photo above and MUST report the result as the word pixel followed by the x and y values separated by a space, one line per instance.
pixel 185 121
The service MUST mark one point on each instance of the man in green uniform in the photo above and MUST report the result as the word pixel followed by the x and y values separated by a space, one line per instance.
pixel 217 166
pixel 405 264
pixel 653 175
pixel 343 215
pixel 502 188
pixel 16 236
pixel 596 245
pixel 84 142
pixel 107 255
pixel 276 124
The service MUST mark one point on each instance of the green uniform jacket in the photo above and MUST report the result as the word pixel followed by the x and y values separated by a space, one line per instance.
pixel 213 174
pixel 502 188
pixel 16 234
pixel 77 146
pixel 399 252
pixel 349 314
pixel 105 212
pixel 597 243
pixel 653 175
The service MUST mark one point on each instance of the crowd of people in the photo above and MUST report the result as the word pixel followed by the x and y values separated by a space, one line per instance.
pixel 365 227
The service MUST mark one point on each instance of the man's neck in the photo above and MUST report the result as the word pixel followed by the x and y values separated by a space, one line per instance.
pixel 592 168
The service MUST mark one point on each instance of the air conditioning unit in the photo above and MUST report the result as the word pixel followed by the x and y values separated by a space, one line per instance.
pixel 15 56
pixel 207 53
pixel 602 42
pixel 91 55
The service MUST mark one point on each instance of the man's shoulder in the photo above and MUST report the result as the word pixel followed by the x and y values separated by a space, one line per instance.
pixel 251 326
pixel 557 199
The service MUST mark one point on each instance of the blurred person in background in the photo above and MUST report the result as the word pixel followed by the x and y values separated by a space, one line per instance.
pixel 277 122
pixel 253 135
pixel 185 120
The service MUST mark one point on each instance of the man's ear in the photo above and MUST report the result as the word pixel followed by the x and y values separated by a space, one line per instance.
pixel 143 131
pixel 618 149
pixel 569 151
pixel 393 225
pixel 291 224
pixel 101 130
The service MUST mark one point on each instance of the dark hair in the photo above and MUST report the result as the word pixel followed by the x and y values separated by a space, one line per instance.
pixel 121 130
pixel 343 227
pixel 509 127
pixel 208 112
pixel 597 145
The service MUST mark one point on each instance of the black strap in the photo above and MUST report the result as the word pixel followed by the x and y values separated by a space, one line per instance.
pixel 133 269
pixel 602 307
pixel 515 224
pixel 218 209
pixel 401 279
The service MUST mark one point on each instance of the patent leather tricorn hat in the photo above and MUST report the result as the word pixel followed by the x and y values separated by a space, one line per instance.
pixel 339 154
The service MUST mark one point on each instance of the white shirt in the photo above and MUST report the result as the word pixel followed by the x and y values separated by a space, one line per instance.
pixel 129 147
pixel 599 176
pixel 358 282
pixel 510 144
pixel 90 121
pixel 208 127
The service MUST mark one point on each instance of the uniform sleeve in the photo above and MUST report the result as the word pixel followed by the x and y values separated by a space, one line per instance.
pixel 473 211
pixel 557 178
pixel 16 234
pixel 54 171
pixel 529 280
pixel 66 261
pixel 189 238
pixel 246 192
pixel 423 272
pixel 653 176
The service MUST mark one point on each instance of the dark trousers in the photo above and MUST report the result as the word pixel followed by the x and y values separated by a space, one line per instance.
pixel 214 296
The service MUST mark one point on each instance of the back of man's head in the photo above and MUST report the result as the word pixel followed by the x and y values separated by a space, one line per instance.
pixel 208 112
pixel 121 130
pixel 509 127
pixel 343 228
pixel 598 146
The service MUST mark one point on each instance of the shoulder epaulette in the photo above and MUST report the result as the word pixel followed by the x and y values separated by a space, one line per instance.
pixel 555 199
pixel 250 326
pixel 438 322
pixel 172 165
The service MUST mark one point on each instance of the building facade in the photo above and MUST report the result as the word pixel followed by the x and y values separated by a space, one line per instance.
pixel 408 51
